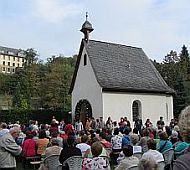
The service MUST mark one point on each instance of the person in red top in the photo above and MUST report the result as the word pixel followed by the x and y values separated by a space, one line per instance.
pixel 103 141
pixel 28 148
pixel 69 128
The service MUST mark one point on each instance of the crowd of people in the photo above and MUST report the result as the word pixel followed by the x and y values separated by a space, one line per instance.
pixel 98 142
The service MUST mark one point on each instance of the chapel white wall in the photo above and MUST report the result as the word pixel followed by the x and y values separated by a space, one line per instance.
pixel 153 106
pixel 87 87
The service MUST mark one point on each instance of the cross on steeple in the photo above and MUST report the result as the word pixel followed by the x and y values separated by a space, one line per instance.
pixel 86 16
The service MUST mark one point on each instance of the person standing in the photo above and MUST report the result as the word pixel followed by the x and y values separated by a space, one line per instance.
pixel 102 123
pixel 160 123
pixel 78 126
pixel 9 149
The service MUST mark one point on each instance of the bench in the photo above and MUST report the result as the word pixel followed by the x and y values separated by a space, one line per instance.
pixel 27 160
pixel 35 163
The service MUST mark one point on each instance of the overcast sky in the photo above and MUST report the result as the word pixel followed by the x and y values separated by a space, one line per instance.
pixel 52 26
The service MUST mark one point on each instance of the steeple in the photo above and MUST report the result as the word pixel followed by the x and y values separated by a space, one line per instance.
pixel 86 28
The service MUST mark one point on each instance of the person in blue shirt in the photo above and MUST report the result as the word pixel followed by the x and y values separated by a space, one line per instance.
pixel 126 139
pixel 164 143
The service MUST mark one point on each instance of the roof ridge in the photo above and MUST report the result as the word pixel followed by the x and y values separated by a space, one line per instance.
pixel 115 44
pixel 10 48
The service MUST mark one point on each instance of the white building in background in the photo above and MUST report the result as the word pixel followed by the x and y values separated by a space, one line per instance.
pixel 118 81
pixel 10 59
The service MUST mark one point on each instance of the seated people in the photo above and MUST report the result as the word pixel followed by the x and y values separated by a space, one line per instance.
pixel 9 149
pixel 53 149
pixel 134 141
pixel 97 162
pixel 182 162
pixel 152 152
pixel 129 159
pixel 68 151
pixel 164 143
pixel 84 146
pixel 3 129
pixel 143 141
pixel 42 142
pixel 29 145
pixel 126 139
pixel 116 141
pixel 147 164
pixel 103 141
pixel 54 135
pixel 88 153
pixel 28 148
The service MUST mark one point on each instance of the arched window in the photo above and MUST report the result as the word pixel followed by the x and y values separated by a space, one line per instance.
pixel 136 110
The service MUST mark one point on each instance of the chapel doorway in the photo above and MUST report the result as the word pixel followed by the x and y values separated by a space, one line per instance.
pixel 83 110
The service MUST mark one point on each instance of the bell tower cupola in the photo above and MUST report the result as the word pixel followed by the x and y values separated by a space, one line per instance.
pixel 86 28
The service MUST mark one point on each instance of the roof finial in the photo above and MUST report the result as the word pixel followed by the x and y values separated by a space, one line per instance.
pixel 86 16
pixel 86 28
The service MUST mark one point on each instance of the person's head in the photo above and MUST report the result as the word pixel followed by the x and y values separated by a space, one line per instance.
pixel 115 123
pixel 15 131
pixel 168 130
pixel 84 138
pixel 147 120
pixel 174 135
pixel 163 135
pixel 145 132
pixel 30 135
pixel 128 150
pixel 151 143
pixel 101 119
pixel 54 134
pixel 54 142
pixel 134 139
pixel 97 131
pixel 184 124
pixel 71 140
pixel 161 118
pixel 147 164
pixel 126 131
pixel 102 135
pixel 42 134
pixel 96 149
pixel 116 131
pixel 3 125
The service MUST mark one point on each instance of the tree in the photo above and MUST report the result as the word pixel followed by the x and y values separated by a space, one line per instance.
pixel 184 62
pixel 58 78
pixel 180 97
pixel 22 93
pixel 30 56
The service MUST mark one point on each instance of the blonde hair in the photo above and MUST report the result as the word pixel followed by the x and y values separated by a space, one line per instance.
pixel 184 123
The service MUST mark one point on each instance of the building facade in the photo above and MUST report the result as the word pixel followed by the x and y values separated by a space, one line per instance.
pixel 115 80
pixel 10 59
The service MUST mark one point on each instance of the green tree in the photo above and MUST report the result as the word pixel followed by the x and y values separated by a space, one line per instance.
pixel 30 56
pixel 59 75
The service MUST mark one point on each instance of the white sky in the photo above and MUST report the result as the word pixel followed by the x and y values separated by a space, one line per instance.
pixel 52 26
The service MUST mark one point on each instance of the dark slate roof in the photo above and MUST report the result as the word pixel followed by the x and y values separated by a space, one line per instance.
pixel 122 68
pixel 10 51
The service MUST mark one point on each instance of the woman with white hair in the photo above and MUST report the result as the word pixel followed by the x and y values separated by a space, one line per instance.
pixel 9 149
pixel 183 163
